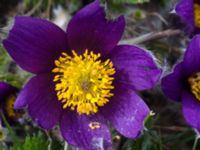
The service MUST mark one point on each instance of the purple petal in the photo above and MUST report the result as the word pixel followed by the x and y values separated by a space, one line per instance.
pixel 126 111
pixel 6 89
pixel 135 67
pixel 89 29
pixel 41 98
pixel 76 131
pixel 35 43
pixel 191 110
pixel 186 11
pixel 192 56
pixel 173 84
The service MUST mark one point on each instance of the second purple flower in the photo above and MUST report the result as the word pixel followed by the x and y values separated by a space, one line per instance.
pixel 183 84
pixel 189 11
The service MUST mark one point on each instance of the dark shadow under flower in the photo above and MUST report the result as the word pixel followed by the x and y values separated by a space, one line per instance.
pixel 83 79
pixel 183 84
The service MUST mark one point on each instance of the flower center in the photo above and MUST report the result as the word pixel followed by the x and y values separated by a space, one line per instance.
pixel 83 82
pixel 9 108
pixel 194 82
pixel 197 15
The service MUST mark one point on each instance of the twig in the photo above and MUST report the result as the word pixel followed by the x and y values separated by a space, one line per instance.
pixel 171 128
pixel 32 11
pixel 48 9
pixel 159 16
pixel 152 36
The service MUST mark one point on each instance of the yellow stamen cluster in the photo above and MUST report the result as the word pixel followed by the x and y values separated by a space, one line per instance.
pixel 83 82
pixel 197 15
pixel 194 82
pixel 9 108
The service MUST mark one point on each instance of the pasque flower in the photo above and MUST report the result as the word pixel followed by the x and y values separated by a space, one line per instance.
pixel 183 84
pixel 189 11
pixel 8 97
pixel 83 80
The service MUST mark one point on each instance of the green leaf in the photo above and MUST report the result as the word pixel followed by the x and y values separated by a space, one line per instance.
pixel 9 72
pixel 36 142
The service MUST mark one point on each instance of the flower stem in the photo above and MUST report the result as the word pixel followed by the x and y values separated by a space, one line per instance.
pixel 195 143
pixel 8 127
pixel 66 146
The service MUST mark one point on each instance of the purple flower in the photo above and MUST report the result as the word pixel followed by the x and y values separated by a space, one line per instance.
pixel 183 84
pixel 8 97
pixel 6 89
pixel 83 81
pixel 189 11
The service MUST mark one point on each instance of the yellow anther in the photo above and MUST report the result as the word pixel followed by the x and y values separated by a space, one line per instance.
pixel 197 15
pixel 117 137
pixel 94 125
pixel 83 82
pixel 194 82
pixel 88 96
pixel 9 108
